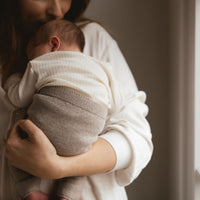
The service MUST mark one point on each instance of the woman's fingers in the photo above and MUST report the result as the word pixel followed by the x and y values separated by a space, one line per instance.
pixel 35 135
pixel 29 149
pixel 27 129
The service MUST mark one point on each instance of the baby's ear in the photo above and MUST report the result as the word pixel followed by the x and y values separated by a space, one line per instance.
pixel 54 43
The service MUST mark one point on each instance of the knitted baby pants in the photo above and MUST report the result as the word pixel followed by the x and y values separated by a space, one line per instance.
pixel 72 122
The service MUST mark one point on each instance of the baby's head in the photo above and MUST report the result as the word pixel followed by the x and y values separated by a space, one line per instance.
pixel 56 35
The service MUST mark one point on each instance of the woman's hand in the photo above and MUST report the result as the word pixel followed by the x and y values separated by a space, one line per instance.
pixel 37 156
pixel 33 154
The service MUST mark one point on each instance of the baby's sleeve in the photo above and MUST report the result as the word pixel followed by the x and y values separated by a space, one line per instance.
pixel 20 89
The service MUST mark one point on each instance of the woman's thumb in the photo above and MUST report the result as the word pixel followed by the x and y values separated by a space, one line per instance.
pixel 28 130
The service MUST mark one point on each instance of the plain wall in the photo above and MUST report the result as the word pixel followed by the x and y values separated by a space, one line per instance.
pixel 141 29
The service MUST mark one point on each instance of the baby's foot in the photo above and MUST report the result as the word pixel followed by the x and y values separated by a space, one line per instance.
pixel 37 196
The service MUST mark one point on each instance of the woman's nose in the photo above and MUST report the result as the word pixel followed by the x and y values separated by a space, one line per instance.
pixel 55 9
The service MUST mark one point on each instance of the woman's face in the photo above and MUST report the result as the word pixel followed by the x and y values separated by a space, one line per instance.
pixel 37 12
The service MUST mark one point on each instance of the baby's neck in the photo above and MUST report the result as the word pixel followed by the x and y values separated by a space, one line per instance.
pixel 69 48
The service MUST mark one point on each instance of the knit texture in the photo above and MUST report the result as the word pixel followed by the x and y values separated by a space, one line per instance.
pixel 72 122
pixel 74 70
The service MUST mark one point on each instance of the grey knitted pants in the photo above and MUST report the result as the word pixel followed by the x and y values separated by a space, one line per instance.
pixel 72 122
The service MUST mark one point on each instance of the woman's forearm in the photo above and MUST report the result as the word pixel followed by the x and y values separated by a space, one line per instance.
pixel 99 159
pixel 37 156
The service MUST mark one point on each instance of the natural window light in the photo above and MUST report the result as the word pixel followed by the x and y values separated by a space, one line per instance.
pixel 197 102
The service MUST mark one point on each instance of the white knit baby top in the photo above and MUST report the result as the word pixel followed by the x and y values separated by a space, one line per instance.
pixel 64 68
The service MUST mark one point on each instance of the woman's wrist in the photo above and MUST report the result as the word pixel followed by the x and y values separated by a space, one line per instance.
pixel 99 159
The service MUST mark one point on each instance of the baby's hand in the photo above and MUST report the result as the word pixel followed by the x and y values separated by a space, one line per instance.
pixel 37 196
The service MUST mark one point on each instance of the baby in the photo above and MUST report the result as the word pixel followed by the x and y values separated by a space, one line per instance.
pixel 67 94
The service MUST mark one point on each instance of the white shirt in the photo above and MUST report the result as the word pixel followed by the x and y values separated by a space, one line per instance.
pixel 127 130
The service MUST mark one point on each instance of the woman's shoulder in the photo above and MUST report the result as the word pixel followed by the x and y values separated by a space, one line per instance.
pixel 97 40
pixel 94 29
pixel 92 25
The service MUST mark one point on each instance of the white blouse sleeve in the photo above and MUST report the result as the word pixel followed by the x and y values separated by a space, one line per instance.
pixel 20 90
pixel 127 130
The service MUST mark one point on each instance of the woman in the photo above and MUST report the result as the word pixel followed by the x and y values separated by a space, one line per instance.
pixel 117 157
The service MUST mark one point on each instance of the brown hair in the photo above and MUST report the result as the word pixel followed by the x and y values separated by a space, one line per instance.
pixel 77 9
pixel 13 39
pixel 67 31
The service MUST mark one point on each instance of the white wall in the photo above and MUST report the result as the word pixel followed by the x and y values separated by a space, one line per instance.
pixel 142 31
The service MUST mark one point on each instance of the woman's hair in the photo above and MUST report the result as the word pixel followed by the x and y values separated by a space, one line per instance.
pixel 13 39
pixel 77 9
pixel 67 32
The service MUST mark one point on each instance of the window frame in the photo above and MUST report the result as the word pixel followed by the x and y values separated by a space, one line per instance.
pixel 182 99
pixel 197 101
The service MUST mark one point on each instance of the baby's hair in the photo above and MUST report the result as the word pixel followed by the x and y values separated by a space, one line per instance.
pixel 67 31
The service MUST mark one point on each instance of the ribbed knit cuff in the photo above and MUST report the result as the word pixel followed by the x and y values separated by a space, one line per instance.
pixel 121 148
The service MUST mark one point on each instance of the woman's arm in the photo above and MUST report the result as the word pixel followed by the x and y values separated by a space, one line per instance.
pixel 127 127
pixel 37 156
